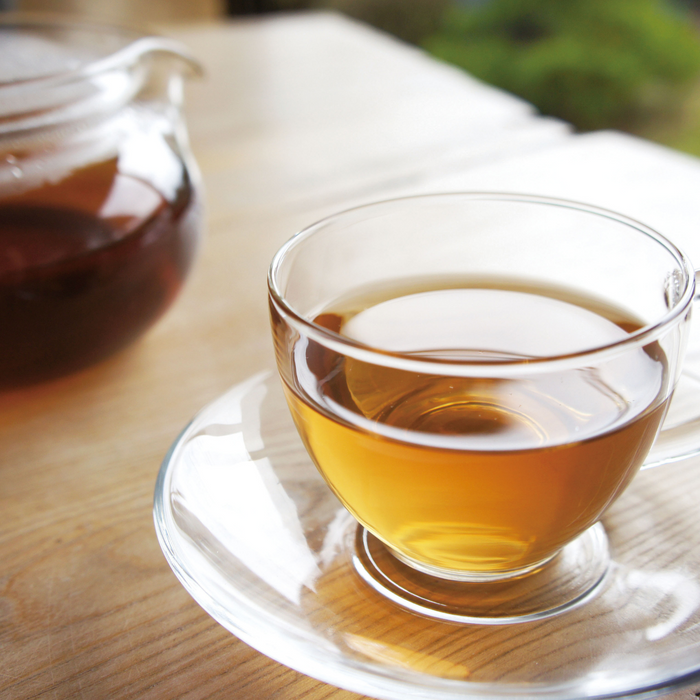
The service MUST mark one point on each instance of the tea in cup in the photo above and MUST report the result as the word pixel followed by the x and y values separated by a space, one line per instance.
pixel 479 376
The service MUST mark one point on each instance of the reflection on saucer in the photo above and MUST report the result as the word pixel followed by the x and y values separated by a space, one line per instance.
pixel 222 490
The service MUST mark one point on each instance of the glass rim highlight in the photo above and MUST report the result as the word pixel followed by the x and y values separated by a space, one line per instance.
pixel 137 43
pixel 480 368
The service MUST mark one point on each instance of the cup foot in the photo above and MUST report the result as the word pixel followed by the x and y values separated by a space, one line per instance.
pixel 564 582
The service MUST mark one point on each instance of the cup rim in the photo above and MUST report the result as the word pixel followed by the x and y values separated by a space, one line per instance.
pixel 484 367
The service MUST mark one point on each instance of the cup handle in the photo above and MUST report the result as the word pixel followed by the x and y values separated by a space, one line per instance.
pixel 679 437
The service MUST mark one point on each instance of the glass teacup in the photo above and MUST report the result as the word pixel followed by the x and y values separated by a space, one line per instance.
pixel 478 377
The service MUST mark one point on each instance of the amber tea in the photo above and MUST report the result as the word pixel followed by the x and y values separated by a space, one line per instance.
pixel 484 474
pixel 478 377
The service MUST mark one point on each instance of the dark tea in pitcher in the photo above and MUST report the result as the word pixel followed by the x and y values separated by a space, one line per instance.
pixel 86 265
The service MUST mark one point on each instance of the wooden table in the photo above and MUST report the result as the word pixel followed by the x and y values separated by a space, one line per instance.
pixel 297 117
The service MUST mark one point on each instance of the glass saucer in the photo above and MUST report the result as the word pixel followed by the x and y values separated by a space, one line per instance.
pixel 254 534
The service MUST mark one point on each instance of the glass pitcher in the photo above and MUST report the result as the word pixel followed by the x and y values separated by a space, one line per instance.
pixel 100 204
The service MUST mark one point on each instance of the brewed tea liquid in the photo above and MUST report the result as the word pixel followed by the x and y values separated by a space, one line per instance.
pixel 480 475
pixel 86 264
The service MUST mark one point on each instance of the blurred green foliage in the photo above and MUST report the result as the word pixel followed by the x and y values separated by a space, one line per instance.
pixel 594 63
